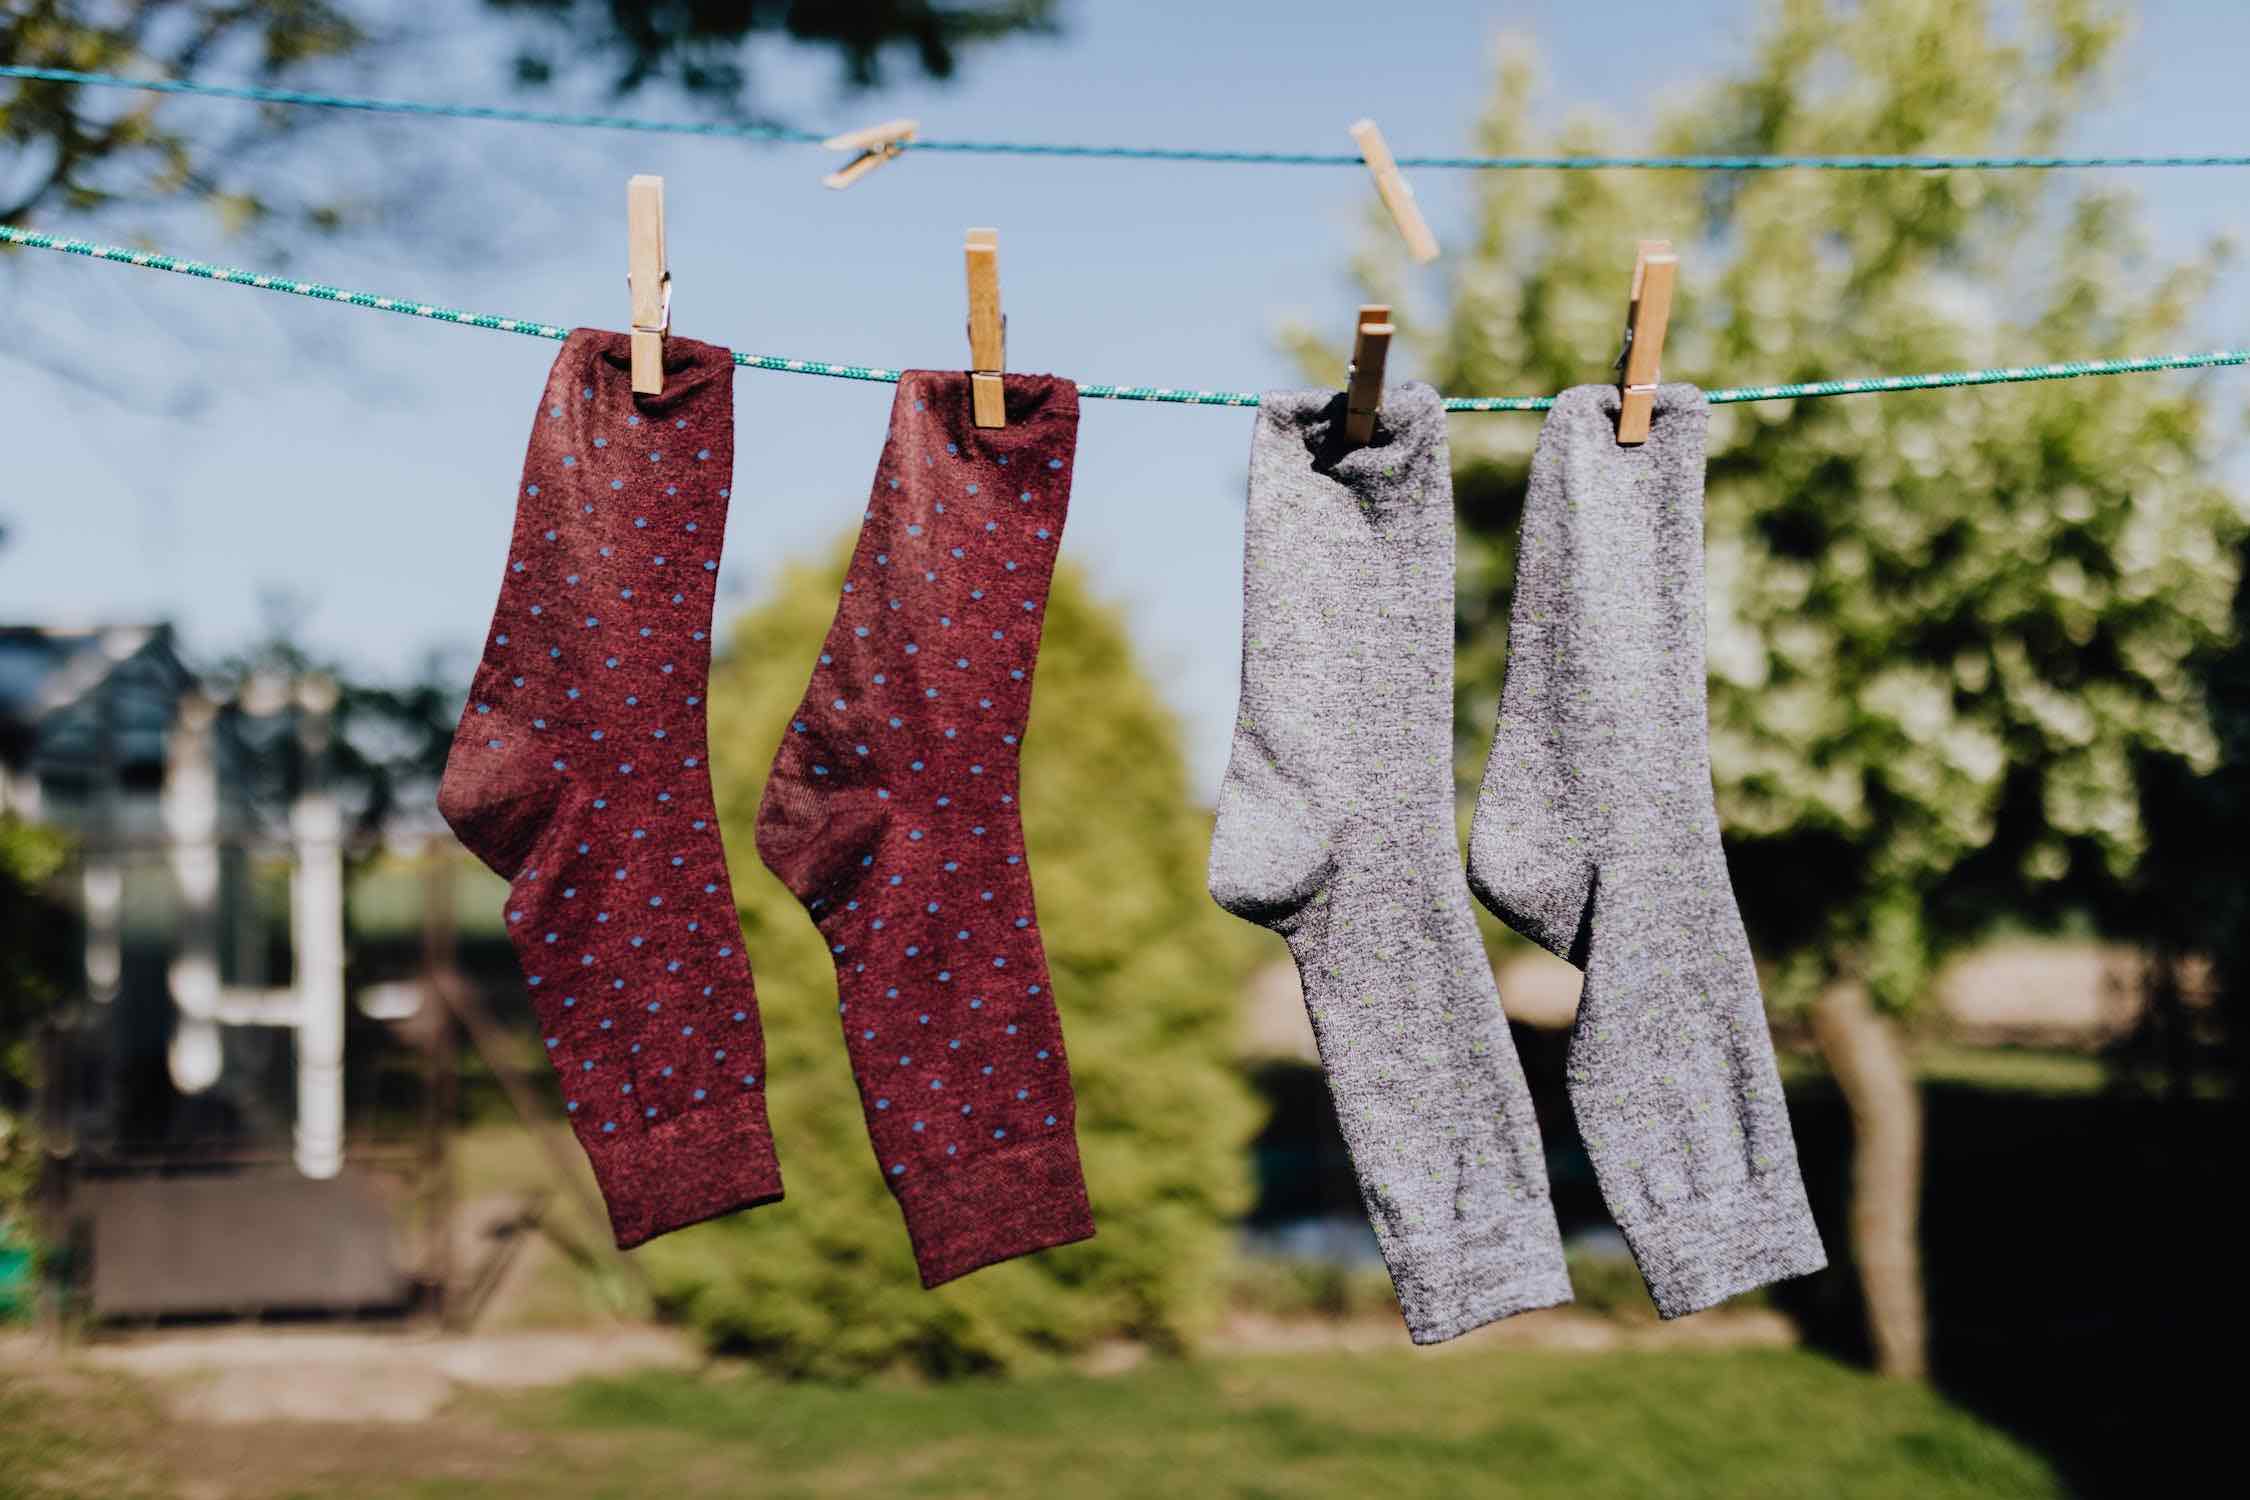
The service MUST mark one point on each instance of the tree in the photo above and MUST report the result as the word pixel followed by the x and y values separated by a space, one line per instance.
pixel 2194 905
pixel 387 742
pixel 1146 970
pixel 1945 628
pixel 36 959
pixel 35 965
pixel 699 46
pixel 76 154
pixel 82 150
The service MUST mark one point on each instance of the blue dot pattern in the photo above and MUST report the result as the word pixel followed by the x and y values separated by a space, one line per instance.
pixel 580 774
pixel 892 813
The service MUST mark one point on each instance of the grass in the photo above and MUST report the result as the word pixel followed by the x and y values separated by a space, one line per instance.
pixel 2049 1072
pixel 50 1451
pixel 2004 1070
pixel 387 896
pixel 1282 1287
pixel 1499 1423
pixel 547 1289
pixel 2033 1070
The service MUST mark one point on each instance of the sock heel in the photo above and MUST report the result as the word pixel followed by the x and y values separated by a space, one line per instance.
pixel 498 812
pixel 1268 858
pixel 811 847
pixel 1255 884
pixel 1543 894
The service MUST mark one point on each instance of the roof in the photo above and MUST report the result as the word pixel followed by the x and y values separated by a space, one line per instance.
pixel 58 687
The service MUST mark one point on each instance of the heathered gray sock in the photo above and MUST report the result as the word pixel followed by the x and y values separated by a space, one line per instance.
pixel 1336 829
pixel 1596 836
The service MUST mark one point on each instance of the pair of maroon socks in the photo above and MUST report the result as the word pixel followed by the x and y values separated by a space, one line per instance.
pixel 581 773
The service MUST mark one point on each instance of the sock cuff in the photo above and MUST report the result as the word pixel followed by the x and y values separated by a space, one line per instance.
pixel 705 1163
pixel 1587 494
pixel 1299 458
pixel 1698 1252
pixel 1675 398
pixel 689 366
pixel 1034 406
pixel 996 1206
pixel 1457 1282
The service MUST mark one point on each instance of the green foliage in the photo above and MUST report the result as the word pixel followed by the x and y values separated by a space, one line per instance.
pixel 34 963
pixel 1146 971
pixel 84 150
pixel 1945 628
pixel 1292 1289
pixel 700 46
pixel 2195 905
pixel 81 153
pixel 384 746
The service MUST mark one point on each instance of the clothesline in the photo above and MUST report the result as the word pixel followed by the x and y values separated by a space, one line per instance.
pixel 739 130
pixel 1867 385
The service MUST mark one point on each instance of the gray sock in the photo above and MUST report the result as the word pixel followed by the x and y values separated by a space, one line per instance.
pixel 1595 836
pixel 1336 830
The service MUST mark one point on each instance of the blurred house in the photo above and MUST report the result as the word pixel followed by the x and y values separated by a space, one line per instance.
pixel 76 704
pixel 206 1048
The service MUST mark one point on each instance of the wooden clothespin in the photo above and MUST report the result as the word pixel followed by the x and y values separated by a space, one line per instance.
pixel 650 278
pixel 1398 193
pixel 1640 362
pixel 1363 396
pixel 988 330
pixel 876 144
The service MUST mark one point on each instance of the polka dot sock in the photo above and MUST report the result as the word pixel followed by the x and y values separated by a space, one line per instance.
pixel 892 814
pixel 580 773
pixel 1595 836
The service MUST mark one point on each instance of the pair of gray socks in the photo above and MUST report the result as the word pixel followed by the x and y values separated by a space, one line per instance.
pixel 1594 835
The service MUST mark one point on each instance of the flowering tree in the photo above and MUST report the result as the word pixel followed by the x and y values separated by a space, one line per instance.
pixel 1946 629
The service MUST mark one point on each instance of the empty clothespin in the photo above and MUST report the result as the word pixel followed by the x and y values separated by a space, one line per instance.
pixel 1363 392
pixel 988 330
pixel 1639 363
pixel 1398 193
pixel 876 144
pixel 650 280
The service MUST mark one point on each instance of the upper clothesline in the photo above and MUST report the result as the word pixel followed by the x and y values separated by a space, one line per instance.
pixel 788 135
pixel 1866 385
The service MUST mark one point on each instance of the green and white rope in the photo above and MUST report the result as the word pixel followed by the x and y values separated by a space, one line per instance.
pixel 262 94
pixel 151 260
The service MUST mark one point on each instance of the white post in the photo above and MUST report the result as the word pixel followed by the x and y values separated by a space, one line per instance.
pixel 190 806
pixel 20 795
pixel 102 875
pixel 103 881
pixel 316 920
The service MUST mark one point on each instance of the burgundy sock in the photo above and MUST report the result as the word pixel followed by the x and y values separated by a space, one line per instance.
pixel 891 812
pixel 580 773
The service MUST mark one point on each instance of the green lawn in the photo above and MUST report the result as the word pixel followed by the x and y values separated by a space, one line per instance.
pixel 1489 1421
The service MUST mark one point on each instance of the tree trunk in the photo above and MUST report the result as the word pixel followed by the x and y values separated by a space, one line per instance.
pixel 1868 1057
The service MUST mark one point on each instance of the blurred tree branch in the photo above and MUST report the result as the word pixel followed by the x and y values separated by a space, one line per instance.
pixel 77 151
pixel 72 158
pixel 697 44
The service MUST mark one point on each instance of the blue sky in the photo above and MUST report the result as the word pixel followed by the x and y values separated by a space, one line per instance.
pixel 179 450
